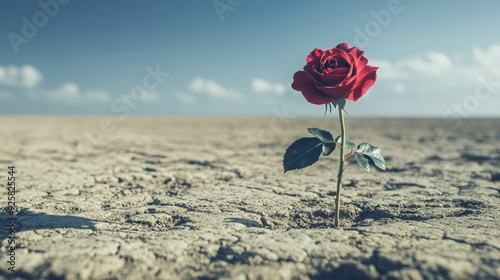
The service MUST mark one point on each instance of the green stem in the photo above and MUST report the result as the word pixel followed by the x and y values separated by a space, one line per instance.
pixel 341 166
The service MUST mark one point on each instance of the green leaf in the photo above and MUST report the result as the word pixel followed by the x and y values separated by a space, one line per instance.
pixel 374 153
pixel 348 144
pixel 302 153
pixel 328 148
pixel 323 135
pixel 339 101
pixel 362 161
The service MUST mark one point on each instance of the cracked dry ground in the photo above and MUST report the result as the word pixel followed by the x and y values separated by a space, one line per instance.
pixel 183 198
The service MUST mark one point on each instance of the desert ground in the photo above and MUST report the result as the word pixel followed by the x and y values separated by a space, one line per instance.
pixel 206 198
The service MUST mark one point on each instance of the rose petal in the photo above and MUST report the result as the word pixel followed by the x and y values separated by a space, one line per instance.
pixel 333 76
pixel 360 64
pixel 359 60
pixel 365 79
pixel 341 70
pixel 342 46
pixel 306 86
pixel 334 53
pixel 313 71
pixel 336 72
pixel 333 79
pixel 355 51
pixel 340 90
pixel 344 59
pixel 314 54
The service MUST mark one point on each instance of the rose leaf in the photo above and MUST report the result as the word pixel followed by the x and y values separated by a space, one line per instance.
pixel 374 153
pixel 348 144
pixel 302 153
pixel 328 148
pixel 362 161
pixel 323 135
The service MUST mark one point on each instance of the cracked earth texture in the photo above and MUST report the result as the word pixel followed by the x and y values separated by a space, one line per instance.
pixel 206 198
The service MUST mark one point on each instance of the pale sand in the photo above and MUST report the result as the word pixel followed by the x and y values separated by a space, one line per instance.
pixel 182 198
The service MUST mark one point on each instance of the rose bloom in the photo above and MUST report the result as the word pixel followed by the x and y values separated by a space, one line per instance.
pixel 337 72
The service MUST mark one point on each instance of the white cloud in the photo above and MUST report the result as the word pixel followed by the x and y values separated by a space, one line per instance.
pixel 435 82
pixel 30 76
pixel 70 93
pixel 25 76
pixel 434 63
pixel 263 86
pixel 197 85
pixel 386 69
pixel 184 97
pixel 26 79
pixel 213 89
pixel 437 70
pixel 489 59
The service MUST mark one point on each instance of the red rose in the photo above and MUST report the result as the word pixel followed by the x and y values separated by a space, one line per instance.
pixel 337 72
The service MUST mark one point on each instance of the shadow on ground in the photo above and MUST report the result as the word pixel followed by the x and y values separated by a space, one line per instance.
pixel 27 220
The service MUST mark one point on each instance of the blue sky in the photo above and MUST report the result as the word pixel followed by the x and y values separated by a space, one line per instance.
pixel 237 57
